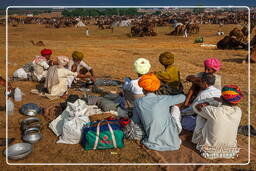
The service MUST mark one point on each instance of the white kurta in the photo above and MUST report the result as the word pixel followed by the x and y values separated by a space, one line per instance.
pixel 60 88
pixel 217 138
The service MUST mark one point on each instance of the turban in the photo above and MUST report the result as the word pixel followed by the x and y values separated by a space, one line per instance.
pixel 212 63
pixel 166 58
pixel 77 55
pixel 141 66
pixel 149 82
pixel 46 52
pixel 62 60
pixel 231 93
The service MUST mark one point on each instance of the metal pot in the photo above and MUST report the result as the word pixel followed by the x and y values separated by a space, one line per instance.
pixel 18 151
pixel 32 135
pixel 30 109
pixel 31 122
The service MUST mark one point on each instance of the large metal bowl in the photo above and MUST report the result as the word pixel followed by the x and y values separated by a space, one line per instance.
pixel 18 151
pixel 30 109
pixel 31 122
pixel 32 135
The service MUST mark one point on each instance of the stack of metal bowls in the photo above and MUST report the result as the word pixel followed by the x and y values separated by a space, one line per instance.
pixel 31 129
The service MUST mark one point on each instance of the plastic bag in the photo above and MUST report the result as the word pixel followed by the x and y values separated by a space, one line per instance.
pixel 72 127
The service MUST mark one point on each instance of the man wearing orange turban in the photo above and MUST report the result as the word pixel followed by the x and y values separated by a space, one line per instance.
pixel 149 82
pixel 152 111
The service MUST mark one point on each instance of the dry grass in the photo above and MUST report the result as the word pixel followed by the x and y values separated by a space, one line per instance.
pixel 113 54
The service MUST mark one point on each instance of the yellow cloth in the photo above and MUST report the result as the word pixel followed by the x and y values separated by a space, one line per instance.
pixel 170 76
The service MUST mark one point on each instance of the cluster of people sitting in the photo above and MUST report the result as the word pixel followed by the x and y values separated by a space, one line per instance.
pixel 163 111
pixel 158 104
pixel 57 76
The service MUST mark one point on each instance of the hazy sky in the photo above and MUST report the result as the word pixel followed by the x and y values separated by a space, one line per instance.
pixel 5 3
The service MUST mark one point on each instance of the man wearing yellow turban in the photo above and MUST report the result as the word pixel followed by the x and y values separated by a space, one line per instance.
pixel 170 77
pixel 152 111
pixel 78 65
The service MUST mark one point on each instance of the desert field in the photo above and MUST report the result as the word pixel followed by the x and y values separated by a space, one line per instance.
pixel 112 54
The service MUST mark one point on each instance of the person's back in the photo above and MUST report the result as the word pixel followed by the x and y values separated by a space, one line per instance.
pixel 160 127
pixel 153 112
pixel 218 133
pixel 222 127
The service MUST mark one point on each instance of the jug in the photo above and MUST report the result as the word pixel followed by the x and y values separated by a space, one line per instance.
pixel 10 107
pixel 17 94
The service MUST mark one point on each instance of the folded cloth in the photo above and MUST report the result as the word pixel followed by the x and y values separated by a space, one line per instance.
pixel 188 122
pixel 133 131
pixel 106 104
pixel 51 78
pixel 105 82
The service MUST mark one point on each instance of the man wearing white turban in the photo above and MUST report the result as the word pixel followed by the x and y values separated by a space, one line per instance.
pixel 131 88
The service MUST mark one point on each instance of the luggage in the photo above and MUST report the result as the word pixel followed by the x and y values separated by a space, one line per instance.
pixel 102 135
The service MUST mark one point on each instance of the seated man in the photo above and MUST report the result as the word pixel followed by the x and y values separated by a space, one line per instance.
pixel 211 66
pixel 36 70
pixel 170 77
pixel 207 90
pixel 131 89
pixel 78 65
pixel 41 65
pixel 217 136
pixel 153 113
pixel 56 80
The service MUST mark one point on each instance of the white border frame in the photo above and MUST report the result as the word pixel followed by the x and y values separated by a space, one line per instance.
pixel 124 164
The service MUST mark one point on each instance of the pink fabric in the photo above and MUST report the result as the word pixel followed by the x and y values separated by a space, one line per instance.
pixel 39 59
pixel 212 63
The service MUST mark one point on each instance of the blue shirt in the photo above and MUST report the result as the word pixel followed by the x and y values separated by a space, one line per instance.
pixel 152 111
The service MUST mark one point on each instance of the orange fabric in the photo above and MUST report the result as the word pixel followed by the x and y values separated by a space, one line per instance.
pixel 149 82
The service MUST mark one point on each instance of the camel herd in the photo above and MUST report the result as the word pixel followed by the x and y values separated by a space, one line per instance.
pixel 144 24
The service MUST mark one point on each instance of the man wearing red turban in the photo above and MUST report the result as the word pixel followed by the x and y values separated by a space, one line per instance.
pixel 152 111
pixel 41 64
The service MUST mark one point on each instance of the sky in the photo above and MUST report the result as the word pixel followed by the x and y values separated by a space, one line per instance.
pixel 5 3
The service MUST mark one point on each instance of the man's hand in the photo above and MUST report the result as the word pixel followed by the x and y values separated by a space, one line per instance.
pixel 190 78
pixel 74 68
pixel 93 78
pixel 201 105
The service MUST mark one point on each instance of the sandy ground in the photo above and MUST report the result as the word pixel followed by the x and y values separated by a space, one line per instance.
pixel 112 54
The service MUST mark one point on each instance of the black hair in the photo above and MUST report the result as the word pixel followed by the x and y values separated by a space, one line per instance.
pixel 208 78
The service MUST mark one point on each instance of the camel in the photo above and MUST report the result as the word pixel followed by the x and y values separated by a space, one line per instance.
pixel 39 43
pixel 238 34
pixel 143 30
pixel 193 28
pixel 179 30
pixel 231 42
